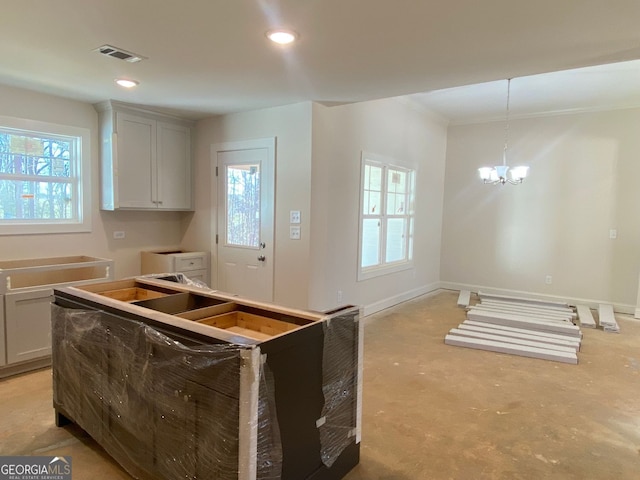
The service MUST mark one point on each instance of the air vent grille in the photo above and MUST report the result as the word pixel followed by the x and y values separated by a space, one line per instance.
pixel 115 52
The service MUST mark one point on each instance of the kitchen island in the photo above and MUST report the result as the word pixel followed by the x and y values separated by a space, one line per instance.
pixel 176 381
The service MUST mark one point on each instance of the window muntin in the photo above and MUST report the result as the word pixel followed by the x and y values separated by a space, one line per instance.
pixel 43 169
pixel 386 217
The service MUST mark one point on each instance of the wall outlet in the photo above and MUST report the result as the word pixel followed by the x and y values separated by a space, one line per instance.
pixel 118 235
pixel 548 279
pixel 613 234
pixel 294 216
pixel 294 233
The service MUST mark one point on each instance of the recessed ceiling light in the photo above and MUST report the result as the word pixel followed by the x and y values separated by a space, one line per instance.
pixel 282 37
pixel 123 82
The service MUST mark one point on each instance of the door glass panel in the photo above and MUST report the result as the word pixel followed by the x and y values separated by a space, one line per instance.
pixel 243 205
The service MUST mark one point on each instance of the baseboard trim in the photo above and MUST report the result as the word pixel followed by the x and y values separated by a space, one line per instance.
pixel 591 303
pixel 430 289
pixel 24 367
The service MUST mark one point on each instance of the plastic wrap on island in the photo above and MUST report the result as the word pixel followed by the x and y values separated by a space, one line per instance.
pixel 178 277
pixel 339 425
pixel 165 409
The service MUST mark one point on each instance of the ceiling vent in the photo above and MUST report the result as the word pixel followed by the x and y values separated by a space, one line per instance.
pixel 111 51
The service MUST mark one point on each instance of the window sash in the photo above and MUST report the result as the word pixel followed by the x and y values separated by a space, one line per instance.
pixel 392 244
pixel 44 177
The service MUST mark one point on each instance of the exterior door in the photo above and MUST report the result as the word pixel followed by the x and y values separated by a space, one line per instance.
pixel 245 207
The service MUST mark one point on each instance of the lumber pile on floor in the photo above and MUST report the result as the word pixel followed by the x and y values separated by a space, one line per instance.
pixel 607 318
pixel 520 326
pixel 464 298
pixel 586 319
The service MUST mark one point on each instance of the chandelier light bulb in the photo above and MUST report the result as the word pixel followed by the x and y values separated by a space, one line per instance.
pixel 502 174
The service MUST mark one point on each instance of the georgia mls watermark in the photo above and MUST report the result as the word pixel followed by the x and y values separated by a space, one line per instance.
pixel 35 468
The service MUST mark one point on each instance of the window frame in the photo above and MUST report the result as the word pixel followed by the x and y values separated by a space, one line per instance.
pixel 384 267
pixel 81 181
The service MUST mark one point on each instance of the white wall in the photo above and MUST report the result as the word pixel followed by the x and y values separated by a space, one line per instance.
pixel 143 230
pixel 318 173
pixel 583 182
pixel 291 125
pixel 394 129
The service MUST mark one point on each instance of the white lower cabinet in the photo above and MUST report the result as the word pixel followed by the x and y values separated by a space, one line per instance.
pixel 3 350
pixel 27 324
pixel 26 293
pixel 194 265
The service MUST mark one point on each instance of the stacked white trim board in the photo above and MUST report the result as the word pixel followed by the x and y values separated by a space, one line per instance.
pixel 520 326
pixel 586 319
pixel 607 318
pixel 464 298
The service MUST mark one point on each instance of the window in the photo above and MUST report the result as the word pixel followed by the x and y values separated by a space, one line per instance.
pixel 44 177
pixel 386 217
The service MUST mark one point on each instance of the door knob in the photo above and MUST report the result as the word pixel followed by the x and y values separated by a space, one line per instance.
pixel 261 258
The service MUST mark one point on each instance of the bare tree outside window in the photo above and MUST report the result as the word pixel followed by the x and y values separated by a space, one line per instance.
pixel 37 177
pixel 243 205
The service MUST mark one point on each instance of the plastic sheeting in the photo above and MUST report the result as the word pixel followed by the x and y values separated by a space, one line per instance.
pixel 160 408
pixel 339 422
pixel 178 277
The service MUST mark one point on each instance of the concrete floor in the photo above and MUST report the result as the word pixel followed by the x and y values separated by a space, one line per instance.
pixel 433 411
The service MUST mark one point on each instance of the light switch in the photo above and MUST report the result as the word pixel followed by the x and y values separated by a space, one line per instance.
pixel 294 216
pixel 294 233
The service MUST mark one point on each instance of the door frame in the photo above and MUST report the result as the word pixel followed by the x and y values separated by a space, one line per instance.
pixel 268 143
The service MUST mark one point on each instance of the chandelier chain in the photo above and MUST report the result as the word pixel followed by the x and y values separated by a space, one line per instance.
pixel 506 124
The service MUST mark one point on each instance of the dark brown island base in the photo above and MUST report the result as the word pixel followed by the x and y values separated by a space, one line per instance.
pixel 179 382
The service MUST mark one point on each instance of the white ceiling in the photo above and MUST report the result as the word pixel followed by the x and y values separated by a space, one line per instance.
pixel 601 87
pixel 208 57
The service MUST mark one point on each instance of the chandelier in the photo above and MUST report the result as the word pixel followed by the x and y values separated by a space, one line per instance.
pixel 502 174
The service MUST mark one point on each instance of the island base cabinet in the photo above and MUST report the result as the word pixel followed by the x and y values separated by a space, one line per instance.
pixel 168 401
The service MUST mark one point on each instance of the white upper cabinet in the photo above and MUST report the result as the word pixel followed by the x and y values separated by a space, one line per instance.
pixel 146 161
pixel 174 185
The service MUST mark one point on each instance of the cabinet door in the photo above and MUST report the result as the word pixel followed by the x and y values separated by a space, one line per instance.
pixel 173 429
pixel 135 162
pixel 3 353
pixel 174 166
pixel 28 325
